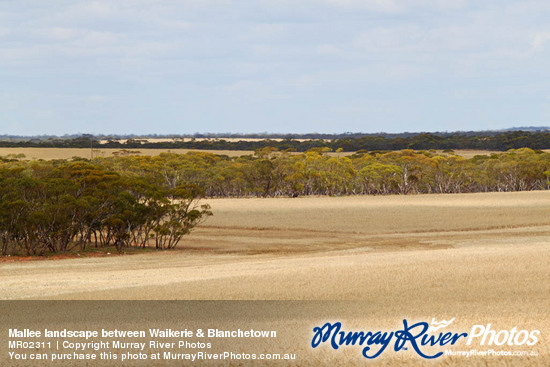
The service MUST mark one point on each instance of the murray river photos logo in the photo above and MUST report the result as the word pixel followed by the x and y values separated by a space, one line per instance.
pixel 419 337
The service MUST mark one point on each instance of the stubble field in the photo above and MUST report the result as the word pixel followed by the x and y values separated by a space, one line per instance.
pixel 480 258
pixel 69 153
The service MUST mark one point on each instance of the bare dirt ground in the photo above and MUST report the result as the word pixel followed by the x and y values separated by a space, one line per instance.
pixel 481 258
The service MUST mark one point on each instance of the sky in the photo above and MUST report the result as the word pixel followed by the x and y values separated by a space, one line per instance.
pixel 276 66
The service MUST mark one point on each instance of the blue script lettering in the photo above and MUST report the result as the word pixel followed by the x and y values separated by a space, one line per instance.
pixel 339 338
pixel 405 335
pixel 413 335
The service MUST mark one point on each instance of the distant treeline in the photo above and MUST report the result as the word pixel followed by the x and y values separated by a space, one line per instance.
pixel 144 201
pixel 349 143
pixel 273 173
pixel 268 136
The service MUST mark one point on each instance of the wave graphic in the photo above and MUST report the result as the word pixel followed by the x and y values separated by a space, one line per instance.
pixel 439 325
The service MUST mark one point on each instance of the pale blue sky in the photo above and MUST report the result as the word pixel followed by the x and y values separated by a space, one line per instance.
pixel 281 66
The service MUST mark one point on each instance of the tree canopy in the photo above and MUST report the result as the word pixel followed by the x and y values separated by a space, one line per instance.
pixel 485 140
pixel 58 206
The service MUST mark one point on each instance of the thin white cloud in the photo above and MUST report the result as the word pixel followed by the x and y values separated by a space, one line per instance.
pixel 395 6
pixel 539 39
pixel 384 6
pixel 327 49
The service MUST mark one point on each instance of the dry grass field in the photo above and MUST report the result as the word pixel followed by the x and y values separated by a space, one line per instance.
pixel 481 258
pixel 69 153
pixel 163 140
